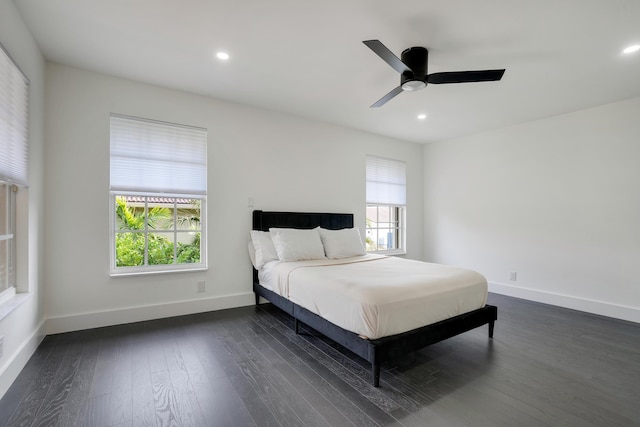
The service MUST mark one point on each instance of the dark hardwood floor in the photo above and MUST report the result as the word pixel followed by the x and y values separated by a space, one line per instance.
pixel 246 367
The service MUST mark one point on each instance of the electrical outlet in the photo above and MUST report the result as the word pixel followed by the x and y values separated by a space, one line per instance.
pixel 201 286
pixel 513 276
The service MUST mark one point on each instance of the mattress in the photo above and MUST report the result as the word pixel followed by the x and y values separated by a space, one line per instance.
pixel 376 296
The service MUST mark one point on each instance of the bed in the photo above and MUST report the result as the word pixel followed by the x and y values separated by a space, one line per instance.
pixel 375 345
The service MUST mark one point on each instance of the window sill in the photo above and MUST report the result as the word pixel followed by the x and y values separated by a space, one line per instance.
pixel 12 303
pixel 390 253
pixel 147 272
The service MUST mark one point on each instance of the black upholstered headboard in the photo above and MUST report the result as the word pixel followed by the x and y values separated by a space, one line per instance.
pixel 263 220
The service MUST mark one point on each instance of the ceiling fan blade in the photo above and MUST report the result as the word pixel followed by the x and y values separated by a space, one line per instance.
pixel 383 52
pixel 465 76
pixel 387 97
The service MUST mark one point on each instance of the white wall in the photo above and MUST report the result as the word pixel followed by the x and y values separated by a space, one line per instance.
pixel 555 200
pixel 283 162
pixel 22 318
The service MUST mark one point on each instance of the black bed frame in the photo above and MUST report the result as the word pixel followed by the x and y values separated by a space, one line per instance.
pixel 374 351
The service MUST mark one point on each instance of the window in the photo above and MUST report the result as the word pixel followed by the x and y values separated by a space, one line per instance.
pixel 158 196
pixel 384 228
pixel 386 200
pixel 7 236
pixel 14 114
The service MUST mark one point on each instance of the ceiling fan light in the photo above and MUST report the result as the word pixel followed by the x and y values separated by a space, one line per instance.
pixel 413 85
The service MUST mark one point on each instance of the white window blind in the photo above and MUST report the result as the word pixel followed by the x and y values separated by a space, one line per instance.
pixel 386 181
pixel 157 157
pixel 14 116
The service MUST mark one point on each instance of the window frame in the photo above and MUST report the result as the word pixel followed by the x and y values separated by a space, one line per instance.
pixel 399 247
pixel 156 268
pixel 9 236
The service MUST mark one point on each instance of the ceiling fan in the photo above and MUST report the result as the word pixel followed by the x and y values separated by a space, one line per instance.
pixel 413 70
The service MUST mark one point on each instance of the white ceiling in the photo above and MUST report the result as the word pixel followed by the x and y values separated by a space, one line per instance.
pixel 307 57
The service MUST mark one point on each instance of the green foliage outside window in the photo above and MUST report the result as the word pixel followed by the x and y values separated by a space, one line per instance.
pixel 130 239
pixel 189 253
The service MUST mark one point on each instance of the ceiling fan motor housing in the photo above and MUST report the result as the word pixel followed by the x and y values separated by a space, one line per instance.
pixel 415 58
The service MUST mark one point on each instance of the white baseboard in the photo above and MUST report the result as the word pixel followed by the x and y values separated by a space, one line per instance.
pixel 14 365
pixel 76 322
pixel 590 306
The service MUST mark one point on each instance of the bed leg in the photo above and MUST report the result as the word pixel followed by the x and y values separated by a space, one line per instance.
pixel 491 324
pixel 296 325
pixel 257 298
pixel 375 370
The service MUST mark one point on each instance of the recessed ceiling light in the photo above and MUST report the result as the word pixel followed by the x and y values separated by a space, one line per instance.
pixel 222 55
pixel 631 49
pixel 422 116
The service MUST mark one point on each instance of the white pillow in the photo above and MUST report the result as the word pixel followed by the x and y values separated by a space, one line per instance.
pixel 252 253
pixel 342 243
pixel 294 244
pixel 264 250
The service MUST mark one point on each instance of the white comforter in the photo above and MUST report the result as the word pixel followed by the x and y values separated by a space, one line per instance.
pixel 376 296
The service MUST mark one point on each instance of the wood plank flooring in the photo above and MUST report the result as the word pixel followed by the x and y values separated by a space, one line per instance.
pixel 546 366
